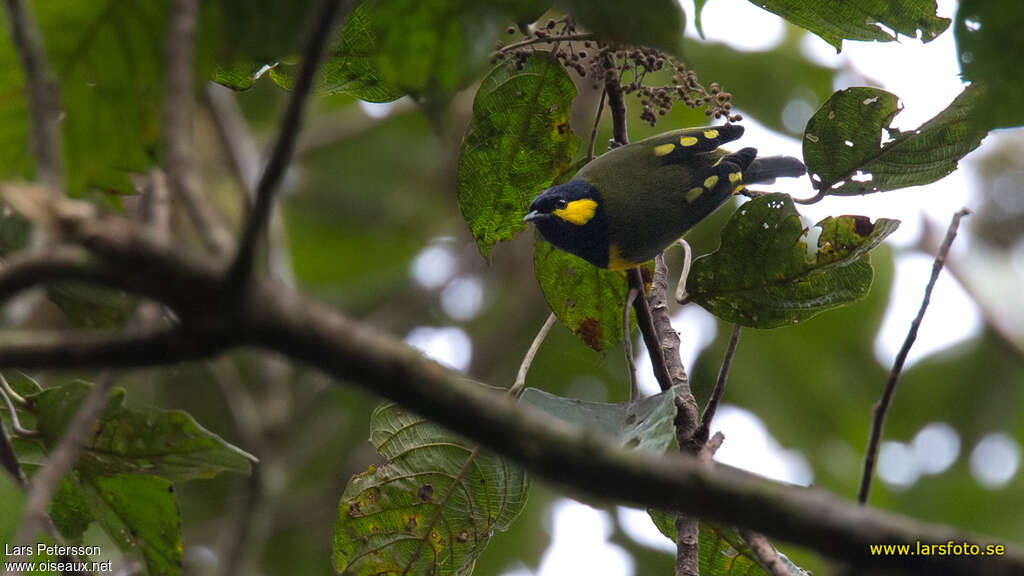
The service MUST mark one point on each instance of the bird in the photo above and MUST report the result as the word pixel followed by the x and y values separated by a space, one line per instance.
pixel 626 206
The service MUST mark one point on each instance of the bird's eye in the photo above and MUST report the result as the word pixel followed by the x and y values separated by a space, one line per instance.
pixel 561 204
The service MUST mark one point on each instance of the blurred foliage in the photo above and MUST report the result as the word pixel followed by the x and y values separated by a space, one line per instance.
pixel 991 52
pixel 371 191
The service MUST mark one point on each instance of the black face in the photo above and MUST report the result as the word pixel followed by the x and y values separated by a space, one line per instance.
pixel 578 228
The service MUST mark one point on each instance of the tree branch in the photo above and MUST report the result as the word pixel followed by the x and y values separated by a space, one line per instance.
pixel 179 108
pixel 281 154
pixel 44 94
pixel 882 407
pixel 276 318
pixel 766 555
pixel 716 393
pixel 524 368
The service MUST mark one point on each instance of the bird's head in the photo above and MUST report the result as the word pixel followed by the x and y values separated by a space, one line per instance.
pixel 571 217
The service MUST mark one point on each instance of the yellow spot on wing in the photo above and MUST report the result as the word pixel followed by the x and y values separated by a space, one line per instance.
pixel 664 149
pixel 711 134
pixel 616 261
pixel 710 182
pixel 735 177
pixel 694 193
pixel 578 212
pixel 739 189
pixel 688 140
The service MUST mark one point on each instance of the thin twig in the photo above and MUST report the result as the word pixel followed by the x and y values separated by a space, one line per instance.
pixel 281 154
pixel 16 427
pixel 597 124
pixel 238 141
pixel 44 94
pixel 617 106
pixel 155 208
pixel 44 484
pixel 545 39
pixel 9 459
pixel 650 336
pixel 882 407
pixel 764 552
pixel 813 199
pixel 235 137
pixel 716 393
pixel 5 386
pixel 627 343
pixel 179 97
pixel 517 387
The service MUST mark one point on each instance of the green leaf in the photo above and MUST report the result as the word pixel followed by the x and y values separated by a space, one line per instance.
pixel 765 275
pixel 430 508
pixel 845 153
pixel 349 67
pixel 991 52
pixel 90 306
pixel 518 141
pixel 654 23
pixel 646 424
pixel 835 21
pixel 588 300
pixel 12 499
pixel 140 515
pixel 166 443
pixel 722 551
pixel 69 510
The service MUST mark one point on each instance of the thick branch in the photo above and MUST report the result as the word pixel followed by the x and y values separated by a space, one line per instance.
pixel 278 319
pixel 179 109
pixel 284 146
pixel 882 407
pixel 43 93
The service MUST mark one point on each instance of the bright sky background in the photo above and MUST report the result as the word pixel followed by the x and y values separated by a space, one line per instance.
pixel 926 78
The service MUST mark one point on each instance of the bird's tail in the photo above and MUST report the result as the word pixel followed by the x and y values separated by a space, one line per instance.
pixel 766 170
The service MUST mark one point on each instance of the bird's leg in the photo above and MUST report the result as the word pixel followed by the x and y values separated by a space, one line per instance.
pixel 681 295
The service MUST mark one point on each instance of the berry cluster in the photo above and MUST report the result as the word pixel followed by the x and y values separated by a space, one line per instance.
pixel 598 61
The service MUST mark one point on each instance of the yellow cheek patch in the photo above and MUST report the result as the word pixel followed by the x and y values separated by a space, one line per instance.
pixel 710 182
pixel 694 193
pixel 578 212
pixel 735 177
pixel 711 134
pixel 616 261
pixel 664 149
pixel 688 141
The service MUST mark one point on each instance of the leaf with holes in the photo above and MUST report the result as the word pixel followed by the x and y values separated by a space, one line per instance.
pixel 645 424
pixel 517 143
pixel 767 274
pixel 430 508
pixel 846 155
pixel 165 443
pixel 868 20
pixel 722 551
pixel 588 300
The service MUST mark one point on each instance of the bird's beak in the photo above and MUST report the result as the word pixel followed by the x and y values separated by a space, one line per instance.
pixel 534 215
